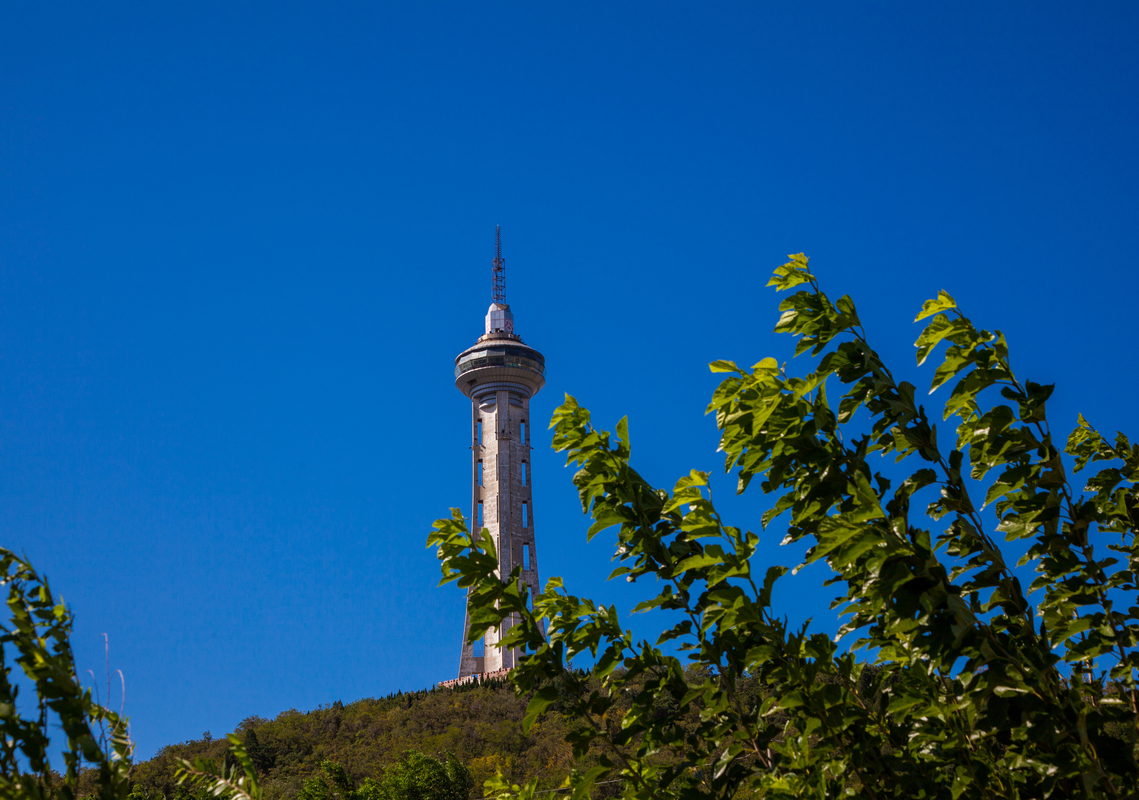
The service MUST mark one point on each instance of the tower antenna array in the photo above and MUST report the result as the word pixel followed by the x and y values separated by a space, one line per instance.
pixel 498 280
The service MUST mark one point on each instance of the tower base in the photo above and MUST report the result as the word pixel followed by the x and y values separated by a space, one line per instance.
pixel 478 677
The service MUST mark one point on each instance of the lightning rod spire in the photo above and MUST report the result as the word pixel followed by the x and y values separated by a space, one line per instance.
pixel 498 279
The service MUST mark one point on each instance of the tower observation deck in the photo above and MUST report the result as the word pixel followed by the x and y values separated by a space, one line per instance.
pixel 500 373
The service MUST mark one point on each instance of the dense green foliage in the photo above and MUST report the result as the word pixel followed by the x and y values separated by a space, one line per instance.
pixel 414 777
pixel 969 689
pixel 479 725
pixel 38 633
pixel 351 750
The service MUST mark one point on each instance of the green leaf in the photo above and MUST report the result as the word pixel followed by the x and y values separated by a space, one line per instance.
pixel 940 303
pixel 791 274
pixel 725 366
pixel 539 703
pixel 772 575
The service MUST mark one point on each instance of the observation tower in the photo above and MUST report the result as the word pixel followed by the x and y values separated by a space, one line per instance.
pixel 499 373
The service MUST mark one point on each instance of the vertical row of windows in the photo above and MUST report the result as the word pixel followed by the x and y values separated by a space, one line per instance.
pixel 481 482
pixel 525 510
pixel 521 432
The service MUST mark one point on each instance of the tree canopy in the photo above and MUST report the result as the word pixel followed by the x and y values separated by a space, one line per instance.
pixel 968 686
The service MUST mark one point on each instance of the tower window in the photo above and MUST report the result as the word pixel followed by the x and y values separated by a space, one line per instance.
pixel 526 556
pixel 525 520
pixel 525 475
pixel 478 432
pixel 522 431
pixel 480 472
pixel 478 649
pixel 482 522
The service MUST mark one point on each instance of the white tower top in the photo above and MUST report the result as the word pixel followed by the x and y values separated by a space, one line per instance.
pixel 499 319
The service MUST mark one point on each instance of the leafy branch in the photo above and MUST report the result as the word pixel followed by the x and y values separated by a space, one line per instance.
pixel 39 630
pixel 966 696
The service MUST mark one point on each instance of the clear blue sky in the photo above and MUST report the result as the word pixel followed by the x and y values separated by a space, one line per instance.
pixel 240 248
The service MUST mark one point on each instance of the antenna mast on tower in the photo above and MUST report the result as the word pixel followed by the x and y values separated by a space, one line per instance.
pixel 498 280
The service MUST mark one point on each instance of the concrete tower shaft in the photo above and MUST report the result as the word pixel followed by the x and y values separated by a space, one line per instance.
pixel 500 374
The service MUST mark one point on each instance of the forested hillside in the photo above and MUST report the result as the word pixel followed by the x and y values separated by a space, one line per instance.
pixel 480 724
